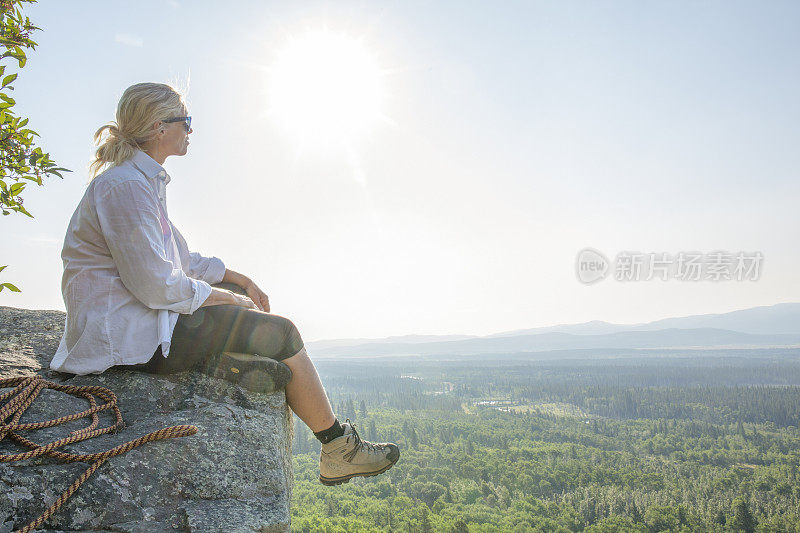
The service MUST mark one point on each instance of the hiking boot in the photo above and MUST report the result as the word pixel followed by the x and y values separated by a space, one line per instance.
pixel 250 371
pixel 348 456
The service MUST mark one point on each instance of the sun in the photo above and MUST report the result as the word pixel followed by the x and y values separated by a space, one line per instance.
pixel 325 88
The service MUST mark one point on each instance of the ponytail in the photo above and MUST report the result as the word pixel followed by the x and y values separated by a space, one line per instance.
pixel 115 148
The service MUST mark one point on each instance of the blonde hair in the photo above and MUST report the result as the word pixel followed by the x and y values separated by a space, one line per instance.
pixel 140 106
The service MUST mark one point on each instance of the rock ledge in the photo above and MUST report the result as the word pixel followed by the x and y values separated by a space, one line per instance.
pixel 234 475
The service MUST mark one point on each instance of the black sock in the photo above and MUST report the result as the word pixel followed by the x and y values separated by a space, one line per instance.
pixel 327 435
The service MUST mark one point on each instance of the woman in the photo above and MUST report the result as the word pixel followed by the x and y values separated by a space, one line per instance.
pixel 137 297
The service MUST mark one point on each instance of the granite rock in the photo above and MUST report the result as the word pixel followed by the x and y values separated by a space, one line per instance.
pixel 234 475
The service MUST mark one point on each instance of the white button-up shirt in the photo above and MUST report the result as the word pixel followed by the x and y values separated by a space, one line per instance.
pixel 127 271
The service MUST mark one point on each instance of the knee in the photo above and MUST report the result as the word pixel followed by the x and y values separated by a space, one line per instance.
pixel 292 341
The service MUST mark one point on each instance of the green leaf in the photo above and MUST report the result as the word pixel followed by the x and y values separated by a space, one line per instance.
pixel 3 267
pixel 8 79
pixel 19 54
pixel 9 286
pixel 17 188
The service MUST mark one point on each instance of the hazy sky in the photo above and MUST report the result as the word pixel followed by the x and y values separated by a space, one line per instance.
pixel 514 135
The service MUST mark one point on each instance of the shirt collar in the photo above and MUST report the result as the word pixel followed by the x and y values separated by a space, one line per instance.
pixel 149 166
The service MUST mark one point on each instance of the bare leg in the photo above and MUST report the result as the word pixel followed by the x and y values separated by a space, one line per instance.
pixel 305 394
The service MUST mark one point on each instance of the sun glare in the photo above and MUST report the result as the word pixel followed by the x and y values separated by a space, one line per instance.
pixel 324 88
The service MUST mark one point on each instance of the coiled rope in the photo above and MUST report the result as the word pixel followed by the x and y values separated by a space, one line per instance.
pixel 25 391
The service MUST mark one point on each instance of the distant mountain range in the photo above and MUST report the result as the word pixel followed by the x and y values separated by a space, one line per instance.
pixel 765 320
pixel 757 327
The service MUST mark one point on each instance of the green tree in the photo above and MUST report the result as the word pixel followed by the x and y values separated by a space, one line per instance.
pixel 349 408
pixel 743 520
pixel 459 526
pixel 362 407
pixel 720 517
pixel 21 161
pixel 425 521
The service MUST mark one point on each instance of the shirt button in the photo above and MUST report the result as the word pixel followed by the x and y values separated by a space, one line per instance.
pixel 162 174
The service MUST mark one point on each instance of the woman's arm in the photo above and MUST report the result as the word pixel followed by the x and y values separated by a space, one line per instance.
pixel 128 218
pixel 236 278
pixel 258 296
pixel 196 265
pixel 226 297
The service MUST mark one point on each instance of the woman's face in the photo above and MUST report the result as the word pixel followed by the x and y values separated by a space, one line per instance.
pixel 175 140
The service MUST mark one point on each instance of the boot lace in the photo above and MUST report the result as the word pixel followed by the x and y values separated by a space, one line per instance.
pixel 359 444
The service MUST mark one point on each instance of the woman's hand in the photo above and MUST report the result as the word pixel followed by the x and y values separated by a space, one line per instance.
pixel 258 296
pixel 243 301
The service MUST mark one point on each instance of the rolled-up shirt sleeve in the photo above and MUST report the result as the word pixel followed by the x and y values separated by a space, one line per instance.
pixel 209 269
pixel 129 220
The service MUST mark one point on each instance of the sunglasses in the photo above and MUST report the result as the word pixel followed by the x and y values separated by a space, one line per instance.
pixel 187 121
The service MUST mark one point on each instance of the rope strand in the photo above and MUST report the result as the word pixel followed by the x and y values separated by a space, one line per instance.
pixel 25 391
